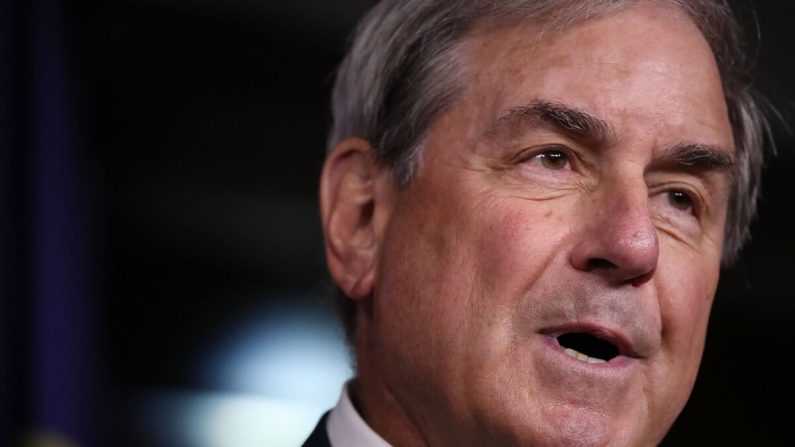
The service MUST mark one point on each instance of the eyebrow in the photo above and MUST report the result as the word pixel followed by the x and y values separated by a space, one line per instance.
pixel 699 157
pixel 572 122
pixel 583 126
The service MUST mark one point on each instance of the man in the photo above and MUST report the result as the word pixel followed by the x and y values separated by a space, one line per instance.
pixel 526 205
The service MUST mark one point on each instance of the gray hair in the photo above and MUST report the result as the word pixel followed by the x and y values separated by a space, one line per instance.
pixel 401 73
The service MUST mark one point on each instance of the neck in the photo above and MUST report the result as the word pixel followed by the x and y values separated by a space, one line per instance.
pixel 374 401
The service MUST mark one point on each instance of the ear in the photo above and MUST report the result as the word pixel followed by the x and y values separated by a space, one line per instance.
pixel 352 205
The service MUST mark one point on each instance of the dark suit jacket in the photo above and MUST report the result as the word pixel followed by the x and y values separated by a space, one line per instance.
pixel 319 437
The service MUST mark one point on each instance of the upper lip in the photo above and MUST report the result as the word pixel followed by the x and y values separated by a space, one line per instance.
pixel 615 336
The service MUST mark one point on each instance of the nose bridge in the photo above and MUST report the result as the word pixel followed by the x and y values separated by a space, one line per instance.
pixel 618 238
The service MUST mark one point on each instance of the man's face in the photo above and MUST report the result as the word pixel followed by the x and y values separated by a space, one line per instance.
pixel 579 186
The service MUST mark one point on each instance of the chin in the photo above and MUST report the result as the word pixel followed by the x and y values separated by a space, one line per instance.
pixel 570 425
pixel 586 428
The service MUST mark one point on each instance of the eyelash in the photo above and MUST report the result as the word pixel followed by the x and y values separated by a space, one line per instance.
pixel 668 198
pixel 542 154
pixel 689 206
pixel 694 206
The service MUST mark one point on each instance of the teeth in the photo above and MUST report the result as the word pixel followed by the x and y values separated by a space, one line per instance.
pixel 582 357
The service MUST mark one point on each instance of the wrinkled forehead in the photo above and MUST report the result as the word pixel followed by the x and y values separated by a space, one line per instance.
pixel 585 26
pixel 646 59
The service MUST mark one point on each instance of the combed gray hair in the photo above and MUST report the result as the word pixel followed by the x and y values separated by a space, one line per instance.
pixel 401 73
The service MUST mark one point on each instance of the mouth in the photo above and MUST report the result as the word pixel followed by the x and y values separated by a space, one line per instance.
pixel 587 347
pixel 592 344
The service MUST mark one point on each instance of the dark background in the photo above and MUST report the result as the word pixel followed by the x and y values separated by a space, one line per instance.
pixel 206 124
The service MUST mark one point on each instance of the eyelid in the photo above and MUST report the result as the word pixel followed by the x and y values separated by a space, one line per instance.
pixel 532 152
pixel 697 201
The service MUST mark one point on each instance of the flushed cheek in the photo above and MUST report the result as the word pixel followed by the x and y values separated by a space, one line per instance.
pixel 518 243
pixel 514 249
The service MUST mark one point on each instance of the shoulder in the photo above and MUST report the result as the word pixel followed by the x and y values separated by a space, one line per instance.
pixel 319 436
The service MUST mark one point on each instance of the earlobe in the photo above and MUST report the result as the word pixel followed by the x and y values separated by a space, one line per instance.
pixel 349 201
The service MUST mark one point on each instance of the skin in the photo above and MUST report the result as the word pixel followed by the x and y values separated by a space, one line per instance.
pixel 515 230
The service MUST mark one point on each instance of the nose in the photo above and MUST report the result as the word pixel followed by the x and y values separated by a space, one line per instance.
pixel 617 239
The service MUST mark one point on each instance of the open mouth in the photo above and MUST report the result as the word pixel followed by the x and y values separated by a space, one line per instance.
pixel 587 348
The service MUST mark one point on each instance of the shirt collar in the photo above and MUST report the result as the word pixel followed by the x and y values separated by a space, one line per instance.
pixel 346 428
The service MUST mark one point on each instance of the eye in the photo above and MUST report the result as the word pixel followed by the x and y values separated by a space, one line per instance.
pixel 553 160
pixel 680 200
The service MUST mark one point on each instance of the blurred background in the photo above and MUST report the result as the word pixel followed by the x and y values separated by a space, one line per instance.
pixel 162 273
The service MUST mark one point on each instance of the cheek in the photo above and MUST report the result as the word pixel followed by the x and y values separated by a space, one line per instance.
pixel 685 286
pixel 513 250
pixel 518 244
pixel 686 290
pixel 455 273
pixel 424 283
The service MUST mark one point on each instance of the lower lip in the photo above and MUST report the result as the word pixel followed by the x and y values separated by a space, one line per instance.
pixel 617 362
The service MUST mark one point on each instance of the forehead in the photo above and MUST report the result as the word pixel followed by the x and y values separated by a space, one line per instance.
pixel 646 62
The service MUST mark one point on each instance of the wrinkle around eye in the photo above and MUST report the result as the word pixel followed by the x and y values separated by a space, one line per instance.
pixel 522 170
pixel 682 234
pixel 536 199
pixel 706 200
pixel 538 164
pixel 678 237
pixel 546 193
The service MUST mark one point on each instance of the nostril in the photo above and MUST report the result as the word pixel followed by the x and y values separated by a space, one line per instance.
pixel 598 263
